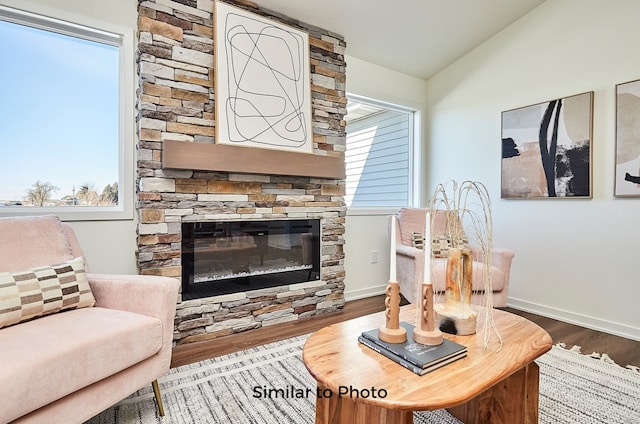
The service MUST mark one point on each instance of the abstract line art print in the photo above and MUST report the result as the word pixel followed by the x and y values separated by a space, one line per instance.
pixel 546 149
pixel 263 91
pixel 627 182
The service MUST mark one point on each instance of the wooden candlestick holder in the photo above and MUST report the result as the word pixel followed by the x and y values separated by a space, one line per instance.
pixel 391 332
pixel 425 331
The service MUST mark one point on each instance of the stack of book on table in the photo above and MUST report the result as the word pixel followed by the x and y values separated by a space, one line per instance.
pixel 416 357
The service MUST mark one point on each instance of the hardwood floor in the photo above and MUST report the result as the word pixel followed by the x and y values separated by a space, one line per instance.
pixel 622 351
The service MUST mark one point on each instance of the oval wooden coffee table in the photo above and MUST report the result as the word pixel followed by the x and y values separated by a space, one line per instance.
pixel 359 386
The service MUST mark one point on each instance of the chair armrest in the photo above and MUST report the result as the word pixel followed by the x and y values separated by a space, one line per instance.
pixel 148 295
pixel 410 265
pixel 500 259
pixel 153 296
pixel 410 251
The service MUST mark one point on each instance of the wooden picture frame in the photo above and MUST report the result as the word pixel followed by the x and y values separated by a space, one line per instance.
pixel 262 82
pixel 546 149
pixel 627 169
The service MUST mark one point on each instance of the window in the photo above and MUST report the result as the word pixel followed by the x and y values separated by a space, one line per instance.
pixel 61 126
pixel 379 154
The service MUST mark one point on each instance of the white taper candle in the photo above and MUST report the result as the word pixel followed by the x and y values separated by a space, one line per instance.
pixel 392 249
pixel 427 248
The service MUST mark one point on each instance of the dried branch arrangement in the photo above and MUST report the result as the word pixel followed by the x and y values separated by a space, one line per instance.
pixel 468 208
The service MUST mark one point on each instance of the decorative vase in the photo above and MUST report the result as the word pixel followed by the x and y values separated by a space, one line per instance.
pixel 455 315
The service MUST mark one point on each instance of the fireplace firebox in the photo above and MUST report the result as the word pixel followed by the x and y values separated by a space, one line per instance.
pixel 238 256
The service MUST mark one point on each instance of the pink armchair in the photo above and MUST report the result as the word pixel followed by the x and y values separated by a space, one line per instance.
pixel 67 364
pixel 410 260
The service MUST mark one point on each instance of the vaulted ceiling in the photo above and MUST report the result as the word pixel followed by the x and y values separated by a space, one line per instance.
pixel 415 37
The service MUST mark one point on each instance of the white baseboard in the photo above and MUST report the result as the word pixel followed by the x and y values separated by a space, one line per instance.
pixel 363 293
pixel 605 326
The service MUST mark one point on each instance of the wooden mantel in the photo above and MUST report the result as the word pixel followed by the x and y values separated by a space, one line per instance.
pixel 221 157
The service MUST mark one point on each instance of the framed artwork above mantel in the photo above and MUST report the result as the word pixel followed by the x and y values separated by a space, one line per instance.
pixel 262 82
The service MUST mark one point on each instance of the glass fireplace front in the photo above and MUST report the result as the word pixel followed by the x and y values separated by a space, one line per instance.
pixel 237 256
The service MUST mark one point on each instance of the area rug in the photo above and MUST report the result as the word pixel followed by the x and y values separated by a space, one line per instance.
pixel 269 384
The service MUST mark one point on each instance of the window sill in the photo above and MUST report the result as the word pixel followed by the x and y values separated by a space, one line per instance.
pixel 373 211
pixel 78 213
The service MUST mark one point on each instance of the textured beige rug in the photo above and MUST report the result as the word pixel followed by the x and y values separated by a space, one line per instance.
pixel 269 384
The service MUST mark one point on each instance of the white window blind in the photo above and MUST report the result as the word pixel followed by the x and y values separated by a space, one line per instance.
pixel 378 160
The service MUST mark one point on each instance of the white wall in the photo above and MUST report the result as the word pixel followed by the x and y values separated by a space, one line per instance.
pixel 366 230
pixel 108 245
pixel 575 259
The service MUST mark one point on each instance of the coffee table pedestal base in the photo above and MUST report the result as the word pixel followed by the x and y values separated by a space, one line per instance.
pixel 343 410
pixel 512 400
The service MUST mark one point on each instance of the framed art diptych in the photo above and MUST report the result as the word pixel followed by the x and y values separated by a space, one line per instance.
pixel 546 149
pixel 263 91
pixel 627 178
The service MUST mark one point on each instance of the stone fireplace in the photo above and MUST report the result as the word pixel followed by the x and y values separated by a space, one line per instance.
pixel 176 112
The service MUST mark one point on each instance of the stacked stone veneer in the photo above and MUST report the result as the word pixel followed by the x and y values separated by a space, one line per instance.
pixel 176 102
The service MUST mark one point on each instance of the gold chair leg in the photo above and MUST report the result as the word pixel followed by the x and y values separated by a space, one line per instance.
pixel 156 392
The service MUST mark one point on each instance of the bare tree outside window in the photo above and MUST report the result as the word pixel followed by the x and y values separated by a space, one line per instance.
pixel 40 193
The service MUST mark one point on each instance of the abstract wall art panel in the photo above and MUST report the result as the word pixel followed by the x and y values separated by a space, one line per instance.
pixel 546 149
pixel 262 92
pixel 627 182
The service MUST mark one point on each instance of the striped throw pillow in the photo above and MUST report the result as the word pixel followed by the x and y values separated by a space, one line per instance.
pixel 440 245
pixel 45 290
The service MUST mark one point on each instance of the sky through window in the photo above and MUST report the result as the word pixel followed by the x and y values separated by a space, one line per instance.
pixel 58 112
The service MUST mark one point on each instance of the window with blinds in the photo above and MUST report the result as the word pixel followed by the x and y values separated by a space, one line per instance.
pixel 378 158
